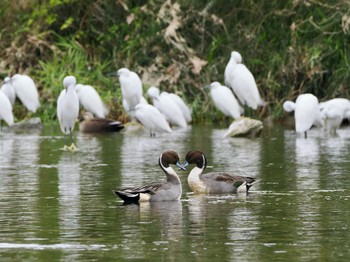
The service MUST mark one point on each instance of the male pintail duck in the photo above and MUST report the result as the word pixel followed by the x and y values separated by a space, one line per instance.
pixel 214 182
pixel 168 190
pixel 90 124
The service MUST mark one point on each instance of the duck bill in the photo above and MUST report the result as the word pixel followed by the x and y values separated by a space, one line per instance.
pixel 181 167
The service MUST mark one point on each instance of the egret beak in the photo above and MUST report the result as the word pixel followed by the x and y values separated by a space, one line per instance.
pixel 113 74
pixel 181 167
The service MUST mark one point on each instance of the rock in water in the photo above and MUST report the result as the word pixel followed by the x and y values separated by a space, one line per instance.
pixel 245 127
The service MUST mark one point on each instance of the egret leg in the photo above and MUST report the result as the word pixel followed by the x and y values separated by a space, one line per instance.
pixel 305 134
pixel 152 133
pixel 72 147
pixel 65 147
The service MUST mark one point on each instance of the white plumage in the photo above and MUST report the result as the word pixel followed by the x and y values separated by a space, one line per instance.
pixel 306 112
pixel 241 80
pixel 26 91
pixel 153 120
pixel 165 104
pixel 224 100
pixel 126 105
pixel 68 107
pixel 8 90
pixel 186 111
pixel 5 109
pixel 91 100
pixel 333 112
pixel 131 86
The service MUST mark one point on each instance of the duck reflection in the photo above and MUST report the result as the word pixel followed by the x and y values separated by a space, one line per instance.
pixel 214 215
pixel 168 214
pixel 196 212
pixel 150 226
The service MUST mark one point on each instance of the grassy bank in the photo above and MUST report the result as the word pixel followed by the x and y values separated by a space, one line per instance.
pixel 291 47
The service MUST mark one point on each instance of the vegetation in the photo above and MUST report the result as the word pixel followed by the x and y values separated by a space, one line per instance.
pixel 292 47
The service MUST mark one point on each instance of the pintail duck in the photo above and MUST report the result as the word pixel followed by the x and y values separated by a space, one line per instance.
pixel 168 190
pixel 214 182
pixel 90 124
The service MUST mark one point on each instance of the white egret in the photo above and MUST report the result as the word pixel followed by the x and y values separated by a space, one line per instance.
pixel 91 100
pixel 167 107
pixel 6 109
pixel 126 105
pixel 131 86
pixel 224 100
pixel 8 90
pixel 152 119
pixel 306 112
pixel 68 109
pixel 26 91
pixel 333 112
pixel 342 102
pixel 241 80
pixel 186 111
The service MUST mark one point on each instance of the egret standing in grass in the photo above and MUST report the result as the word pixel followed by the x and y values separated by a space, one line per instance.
pixel 26 91
pixel 5 109
pixel 131 86
pixel 306 112
pixel 8 90
pixel 225 101
pixel 153 120
pixel 241 80
pixel 167 107
pixel 68 109
pixel 91 100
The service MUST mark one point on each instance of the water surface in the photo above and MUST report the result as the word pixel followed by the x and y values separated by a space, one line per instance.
pixel 59 206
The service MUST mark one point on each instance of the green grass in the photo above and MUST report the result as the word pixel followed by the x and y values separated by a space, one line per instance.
pixel 292 47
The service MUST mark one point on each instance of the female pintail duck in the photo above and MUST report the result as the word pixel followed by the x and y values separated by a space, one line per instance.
pixel 168 190
pixel 214 182
pixel 90 124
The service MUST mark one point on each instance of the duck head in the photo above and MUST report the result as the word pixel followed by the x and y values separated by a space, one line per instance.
pixel 170 157
pixel 195 157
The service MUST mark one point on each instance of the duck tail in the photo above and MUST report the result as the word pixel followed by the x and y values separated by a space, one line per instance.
pixel 250 182
pixel 128 197
pixel 115 126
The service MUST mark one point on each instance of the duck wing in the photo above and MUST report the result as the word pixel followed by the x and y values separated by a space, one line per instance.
pixel 132 194
pixel 236 181
pixel 107 125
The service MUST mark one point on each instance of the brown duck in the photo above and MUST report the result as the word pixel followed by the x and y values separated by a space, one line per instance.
pixel 90 124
